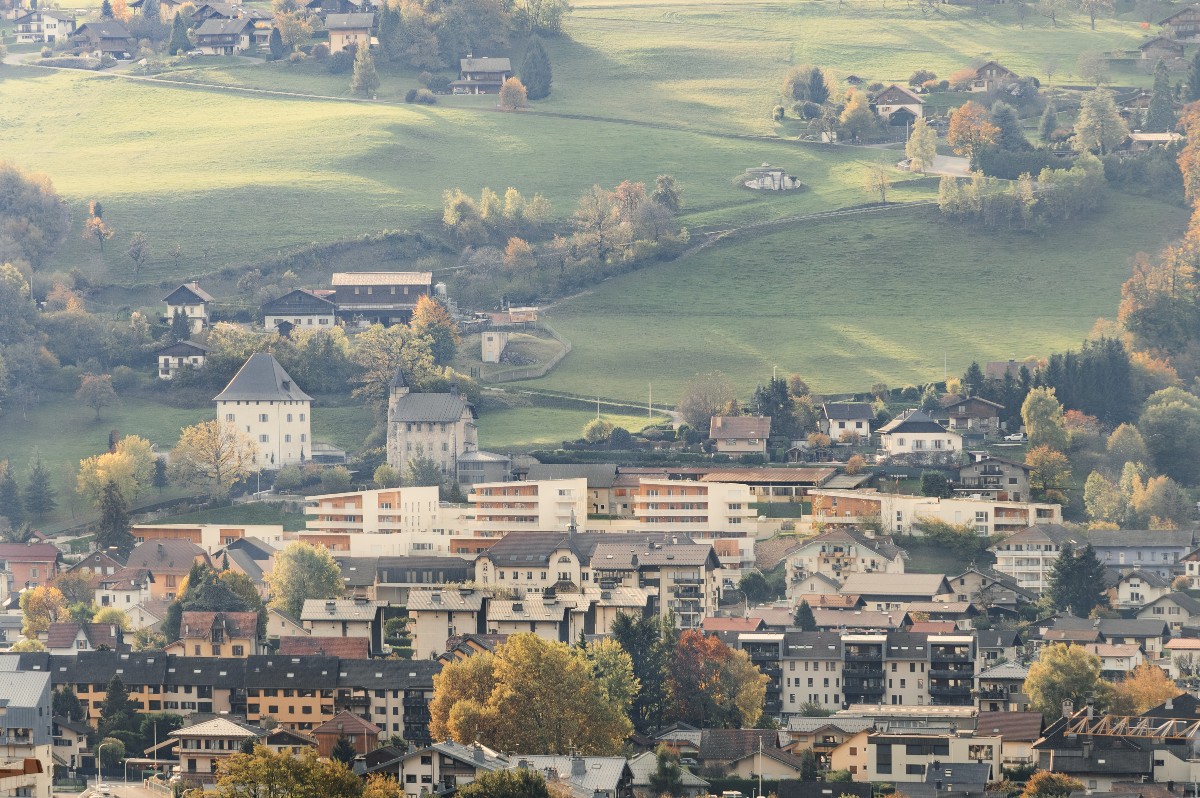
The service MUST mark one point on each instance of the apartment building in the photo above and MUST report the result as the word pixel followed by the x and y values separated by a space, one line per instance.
pixel 503 507
pixel 1028 555
pixel 905 758
pixel 897 513
pixel 442 613
pixel 26 735
pixel 345 618
pixel 685 577
pixel 202 747
pixel 211 537
pixel 840 552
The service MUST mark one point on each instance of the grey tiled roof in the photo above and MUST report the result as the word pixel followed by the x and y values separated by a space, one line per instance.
pixel 449 599
pixel 598 475
pixel 445 408
pixel 339 610
pixel 261 378
pixel 600 773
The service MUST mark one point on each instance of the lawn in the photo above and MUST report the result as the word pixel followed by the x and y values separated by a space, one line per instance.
pixel 523 428
pixel 889 298
pixel 250 513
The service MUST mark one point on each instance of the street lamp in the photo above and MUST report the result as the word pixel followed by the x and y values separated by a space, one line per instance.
pixel 100 748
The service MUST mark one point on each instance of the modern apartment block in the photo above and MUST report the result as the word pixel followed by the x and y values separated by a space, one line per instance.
pixel 550 505
pixel 26 735
pixel 897 513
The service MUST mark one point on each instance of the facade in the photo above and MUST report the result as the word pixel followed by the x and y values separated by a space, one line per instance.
pixel 899 105
pixel 216 634
pixel 994 478
pixel 1137 588
pixel 491 345
pixel 345 618
pixel 178 356
pixel 972 413
pixel 539 506
pixel 915 437
pixel 437 426
pixel 481 75
pixel 1183 25
pixel 203 746
pixel 839 552
pixel 1156 551
pixel 362 734
pixel 43 26
pixel 189 299
pixel 25 565
pixel 106 37
pixel 394 511
pixel 26 735
pixel 447 766
pixel 301 308
pixel 387 298
pixel 739 435
pixel 701 509
pixel 1179 610
pixel 686 577
pixel 897 513
pixel 992 76
pixel 349 30
pixel 1028 556
pixel 475 466
pixel 905 758
pixel 443 613
pixel 263 401
pixel 840 419
pixel 169 561
pixel 225 36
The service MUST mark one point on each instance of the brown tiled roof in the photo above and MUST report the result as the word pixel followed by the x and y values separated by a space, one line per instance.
pixel 932 627
pixel 1019 726
pixel 733 624
pixel 166 556
pixel 195 623
pixel 346 723
pixel 343 647
pixel 62 635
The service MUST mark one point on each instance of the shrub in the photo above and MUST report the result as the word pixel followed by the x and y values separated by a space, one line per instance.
pixel 874 87
pixel 931 86
pixel 425 96
pixel 124 378
pixel 335 480
pixel 439 84
pixel 296 57
pixel 341 62
pixel 72 62
pixel 921 77
pixel 320 51
pixel 289 478
pixel 808 110
pixel 410 96
pixel 1010 164
pixel 47 52
pixel 425 78
pixel 779 113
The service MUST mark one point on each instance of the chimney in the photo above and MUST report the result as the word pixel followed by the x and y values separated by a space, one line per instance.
pixel 1068 708
pixel 578 766
pixel 1170 705
pixel 477 752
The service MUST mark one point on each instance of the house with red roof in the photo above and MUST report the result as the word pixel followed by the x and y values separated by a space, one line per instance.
pixel 27 565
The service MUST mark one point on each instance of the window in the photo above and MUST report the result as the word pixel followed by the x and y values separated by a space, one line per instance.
pixel 289 417
pixel 229 417
pixel 287 438
pixel 303 437
pixel 262 417
pixel 263 438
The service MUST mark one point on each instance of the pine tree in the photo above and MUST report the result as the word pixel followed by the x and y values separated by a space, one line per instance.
pixel 11 506
pixel 972 381
pixel 1010 137
pixel 1049 123
pixel 106 11
pixel 160 474
pixel 343 750
pixel 365 80
pixel 40 496
pixel 113 531
pixel 391 34
pixel 804 618
pixel 1160 116
pixel 535 70
pixel 1193 81
pixel 181 328
pixel 278 51
pixel 818 92
pixel 1077 582
pixel 179 39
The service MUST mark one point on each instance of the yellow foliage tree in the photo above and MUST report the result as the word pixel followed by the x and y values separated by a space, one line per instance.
pixel 1145 687
pixel 42 606
pixel 130 467
pixel 971 129
pixel 214 454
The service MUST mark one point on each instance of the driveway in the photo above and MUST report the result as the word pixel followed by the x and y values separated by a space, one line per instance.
pixel 950 165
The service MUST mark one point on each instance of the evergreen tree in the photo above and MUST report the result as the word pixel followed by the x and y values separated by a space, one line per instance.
pixel 160 474
pixel 150 11
pixel 1193 81
pixel 181 328
pixel 179 44
pixel 118 711
pixel 343 750
pixel 1049 123
pixel 11 506
pixel 40 495
pixel 809 766
pixel 65 704
pixel 972 381
pixel 365 80
pixel 278 50
pixel 1010 137
pixel 391 34
pixel 106 11
pixel 535 70
pixel 818 92
pixel 1160 116
pixel 1077 582
pixel 804 618
pixel 113 531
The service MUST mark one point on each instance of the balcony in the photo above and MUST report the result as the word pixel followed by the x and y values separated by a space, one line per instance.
pixel 866 656
pixel 958 690
pixel 951 673
pixel 936 657
pixel 689 580
pixel 413 701
pixel 994 694
pixel 852 691
pixel 354 701
pixel 867 671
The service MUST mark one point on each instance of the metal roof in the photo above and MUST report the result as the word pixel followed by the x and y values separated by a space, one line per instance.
pixel 382 278
pixel 339 610
pixel 445 408
pixel 261 378
pixel 599 773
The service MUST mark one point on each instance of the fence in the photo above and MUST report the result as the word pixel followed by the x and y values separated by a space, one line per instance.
pixel 533 372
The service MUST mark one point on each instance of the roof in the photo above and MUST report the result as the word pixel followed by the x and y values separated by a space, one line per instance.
pixel 261 378
pixel 382 278
pixel 1019 726
pixel 771 476
pixel 29 552
pixel 23 689
pixel 478 756
pixel 856 619
pixel 899 585
pixel 1135 627
pixel 597 773
pixel 1006 69
pixel 194 623
pixel 804 725
pixel 1005 670
pixel 188 293
pixel 727 745
pixel 902 93
pixel 1140 538
pixel 958 776
pixel 445 599
pixel 1149 577
pixel 446 408
pixel 347 722
pixel 1112 649
pixel 848 411
pixel 531 608
pixel 952 399
pixel 733 624
pixel 485 65
pixel 997 638
pixel 1183 644
pixel 345 21
pixel 63 635
pixel 932 627
pixel 183 348
pixel 739 427
pixel 220 727
pixel 301 300
pixel 1055 533
pixel 911 422
pixel 848 481
pixel 646 763
pixel 882 547
pixel 223 27
pixel 166 555
pixel 627 557
pixel 339 610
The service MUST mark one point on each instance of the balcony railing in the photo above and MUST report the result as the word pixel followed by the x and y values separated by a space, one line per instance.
pixel 873 656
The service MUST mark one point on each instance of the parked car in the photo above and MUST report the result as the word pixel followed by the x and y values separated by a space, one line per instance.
pixel 1016 436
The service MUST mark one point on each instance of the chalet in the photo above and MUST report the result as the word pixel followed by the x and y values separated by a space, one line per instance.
pixel 916 436
pixel 203 746
pixel 362 734
pixel 841 552
pixel 43 26
pixel 891 590
pixel 302 308
pixel 447 766
pixel 991 591
pixel 992 76
pixel 365 298
pixel 481 75
pixel 349 30
pixel 999 369
pixel 1139 141
pixel 189 299
pixel 1183 25
pixel 225 36
pixel 178 356
pixel 740 434
pixel 1179 610
pixel 841 419
pixel 972 413
pixel 104 37
pixel 995 478
pixel 216 634
pixel 125 589
pixel 1160 48
pixel 899 105
pixel 1137 588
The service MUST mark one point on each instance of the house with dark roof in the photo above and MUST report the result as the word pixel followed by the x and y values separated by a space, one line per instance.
pixel 69 638
pixel 1160 48
pixel 189 299
pixel 1154 550
pixel 180 355
pixel 349 30
pixel 992 592
pixel 216 634
pixel 97 563
pixel 898 105
pixel 892 591
pixel 481 75
pixel 361 733
pixel 839 419
pixel 340 647
pixel 996 645
pixel 265 403
pixel 225 36
pixel 250 556
pixel 301 308
pixel 994 478
pixel 989 77
pixel 1137 587
pixel 437 426
pixel 103 37
pixel 970 414
pixel 644 765
pixel 1183 25
pixel 720 748
pixel 125 589
pixel 913 436
pixel 1179 610
pixel 444 767
pixel 739 435
pixel 387 298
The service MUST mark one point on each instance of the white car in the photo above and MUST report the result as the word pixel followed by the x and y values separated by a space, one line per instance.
pixel 1016 436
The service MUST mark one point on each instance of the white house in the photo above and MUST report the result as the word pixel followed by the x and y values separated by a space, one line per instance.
pixel 899 105
pixel 180 355
pixel 437 426
pixel 262 401
pixel 1137 588
pixel 43 26
pixel 192 301
pixel 301 308
pixel 914 435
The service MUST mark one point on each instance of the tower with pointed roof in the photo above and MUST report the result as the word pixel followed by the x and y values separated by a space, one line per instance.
pixel 264 402
pixel 438 426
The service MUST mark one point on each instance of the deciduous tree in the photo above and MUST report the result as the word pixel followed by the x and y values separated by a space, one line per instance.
pixel 380 351
pixel 139 250
pixel 857 118
pixel 878 182
pixel 268 774
pixel 213 454
pixel 1042 414
pixel 921 149
pixel 1143 688
pixel 1170 426
pixel 130 467
pixel 971 129
pixel 1062 672
pixel 1099 127
pixel 704 396
pixel 1050 469
pixel 714 686
pixel 518 783
pixel 432 320
pixel 94 226
pixel 96 391
pixel 513 94
pixel 1045 784
pixel 1125 445
pixel 303 571
pixel 40 607
pixel 1094 8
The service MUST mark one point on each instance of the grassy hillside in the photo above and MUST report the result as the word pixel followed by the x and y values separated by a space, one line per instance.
pixel 883 298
